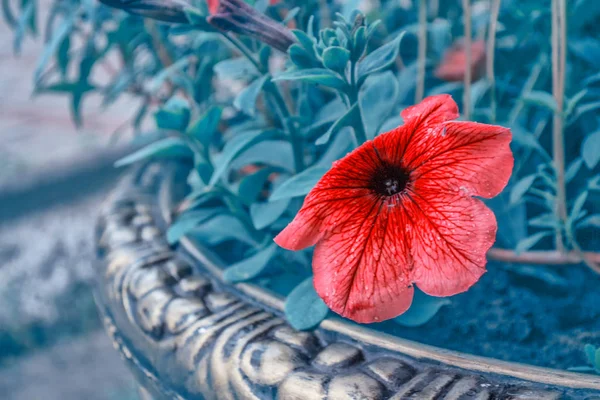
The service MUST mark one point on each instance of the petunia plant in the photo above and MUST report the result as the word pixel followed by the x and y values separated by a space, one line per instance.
pixel 343 155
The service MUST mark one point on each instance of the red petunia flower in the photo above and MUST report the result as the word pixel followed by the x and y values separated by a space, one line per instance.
pixel 454 65
pixel 213 5
pixel 399 210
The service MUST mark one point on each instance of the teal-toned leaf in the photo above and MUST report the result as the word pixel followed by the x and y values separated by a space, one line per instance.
pixel 380 59
pixel 314 75
pixel 175 115
pixel 578 206
pixel 232 149
pixel 235 68
pixel 339 147
pixel 336 58
pixel 590 353
pixel 221 228
pixel 264 214
pixel 22 25
pixel 252 185
pixel 57 39
pixel 301 58
pixel 597 361
pixel 167 73
pixel 197 18
pixel 547 220
pixel 391 123
pixel 573 102
pixel 251 267
pixel 377 99
pixel 521 187
pixel 304 309
pixel 585 108
pixel 165 148
pixel 527 139
pixel 204 128
pixel 590 149
pixel 531 241
pixel 299 185
pixel 274 153
pixel 422 309
pixel 539 98
pixel 349 119
pixel 581 369
pixel 305 40
pixel 573 169
pixel 246 100
pixel 7 12
pixel 188 221
pixel 590 221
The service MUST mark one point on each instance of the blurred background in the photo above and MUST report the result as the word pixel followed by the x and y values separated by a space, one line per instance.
pixel 53 178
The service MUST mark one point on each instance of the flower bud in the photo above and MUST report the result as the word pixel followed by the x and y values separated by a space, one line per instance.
pixel 162 10
pixel 238 17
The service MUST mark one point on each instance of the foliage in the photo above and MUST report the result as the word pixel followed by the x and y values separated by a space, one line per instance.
pixel 258 127
pixel 592 354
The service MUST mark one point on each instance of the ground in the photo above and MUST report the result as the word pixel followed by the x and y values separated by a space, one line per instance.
pixel 53 179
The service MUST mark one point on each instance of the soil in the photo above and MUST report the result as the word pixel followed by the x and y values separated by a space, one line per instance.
pixel 535 315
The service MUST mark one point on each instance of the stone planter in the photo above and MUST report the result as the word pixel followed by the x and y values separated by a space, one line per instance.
pixel 186 334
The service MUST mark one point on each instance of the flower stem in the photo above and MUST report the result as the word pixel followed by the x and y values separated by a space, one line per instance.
pixel 359 128
pixel 422 51
pixel 282 110
pixel 467 80
pixel 491 47
pixel 558 150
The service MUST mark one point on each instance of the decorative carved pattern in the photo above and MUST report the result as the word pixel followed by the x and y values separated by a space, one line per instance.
pixel 186 336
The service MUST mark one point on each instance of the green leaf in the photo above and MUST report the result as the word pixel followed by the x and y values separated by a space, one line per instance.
pixel 204 128
pixel 175 115
pixel 221 228
pixel 531 241
pixel 539 98
pixel 246 100
pixel 251 267
pixel 314 75
pixel 166 148
pixel 304 309
pixel 377 99
pixel 349 119
pixel 422 309
pixel 264 214
pixel 299 185
pixel 521 187
pixel 380 59
pixel 234 147
pixel 590 149
pixel 188 221
pixel 336 58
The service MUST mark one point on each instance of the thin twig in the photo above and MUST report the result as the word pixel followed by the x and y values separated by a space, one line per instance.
pixel 491 47
pixel 467 44
pixel 422 51
pixel 551 257
pixel 558 150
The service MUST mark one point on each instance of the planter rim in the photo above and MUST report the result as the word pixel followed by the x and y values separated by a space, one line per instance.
pixel 544 375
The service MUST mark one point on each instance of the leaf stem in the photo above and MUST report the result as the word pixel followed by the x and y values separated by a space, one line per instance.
pixel 422 51
pixel 467 78
pixel 491 47
pixel 551 257
pixel 282 110
pixel 558 150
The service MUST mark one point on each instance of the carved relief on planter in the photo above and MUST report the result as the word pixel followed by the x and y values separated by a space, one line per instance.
pixel 187 335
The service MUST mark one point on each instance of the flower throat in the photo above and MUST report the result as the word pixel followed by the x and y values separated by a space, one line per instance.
pixel 389 180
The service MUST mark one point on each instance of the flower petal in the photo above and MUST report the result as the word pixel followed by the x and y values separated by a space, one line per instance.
pixel 467 156
pixel 361 270
pixel 418 119
pixel 343 187
pixel 451 236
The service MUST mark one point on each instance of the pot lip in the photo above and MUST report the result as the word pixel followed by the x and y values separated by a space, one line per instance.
pixel 213 264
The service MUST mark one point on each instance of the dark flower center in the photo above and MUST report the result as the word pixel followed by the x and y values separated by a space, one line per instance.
pixel 389 180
